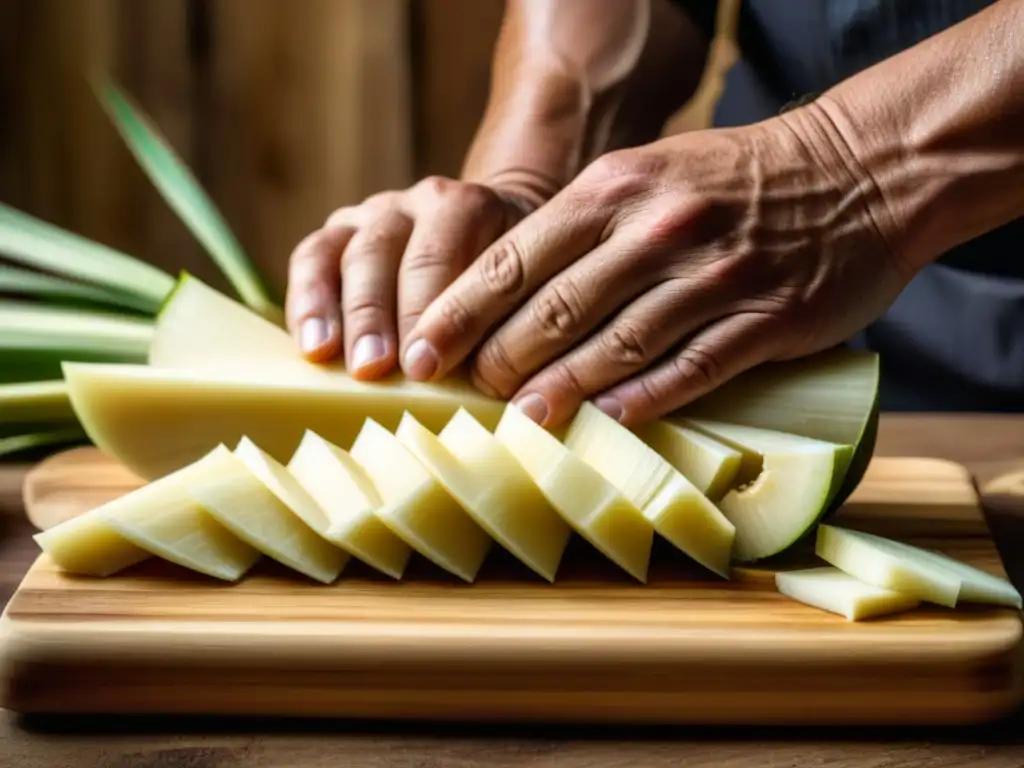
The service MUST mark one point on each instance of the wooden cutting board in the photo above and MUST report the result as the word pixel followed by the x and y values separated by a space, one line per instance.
pixel 685 648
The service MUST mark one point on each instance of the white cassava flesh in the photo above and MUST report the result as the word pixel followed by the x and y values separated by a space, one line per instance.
pixel 929 576
pixel 492 487
pixel 832 590
pixel 710 465
pixel 417 507
pixel 241 501
pixel 122 407
pixel 279 481
pixel 676 509
pixel 590 504
pixel 797 479
pixel 200 329
pixel 348 496
pixel 88 546
pixel 160 518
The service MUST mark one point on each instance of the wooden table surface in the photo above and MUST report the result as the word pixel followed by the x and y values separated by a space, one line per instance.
pixel 988 445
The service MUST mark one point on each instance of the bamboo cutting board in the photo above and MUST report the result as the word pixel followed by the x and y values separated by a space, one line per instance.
pixel 685 648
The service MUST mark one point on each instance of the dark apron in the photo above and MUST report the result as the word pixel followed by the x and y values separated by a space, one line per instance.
pixel 954 339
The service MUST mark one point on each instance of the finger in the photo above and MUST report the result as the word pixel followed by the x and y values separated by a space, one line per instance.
pixel 312 304
pixel 567 309
pixel 450 232
pixel 705 362
pixel 635 339
pixel 369 281
pixel 507 272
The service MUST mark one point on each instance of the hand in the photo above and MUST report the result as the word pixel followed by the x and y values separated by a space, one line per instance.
pixel 362 280
pixel 663 271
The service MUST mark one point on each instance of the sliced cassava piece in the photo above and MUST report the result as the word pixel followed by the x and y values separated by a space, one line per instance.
pixel 163 519
pixel 89 546
pixel 417 507
pixel 676 509
pixel 201 329
pixel 833 590
pixel 493 488
pixel 590 504
pixel 927 575
pixel 831 396
pixel 244 504
pixel 122 407
pixel 348 496
pixel 276 477
pixel 711 466
pixel 788 497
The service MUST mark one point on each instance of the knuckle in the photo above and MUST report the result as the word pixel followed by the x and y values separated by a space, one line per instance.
pixel 495 367
pixel 436 186
pixel 558 310
pixel 310 251
pixel 697 367
pixel 502 269
pixel 618 174
pixel 426 260
pixel 371 241
pixel 455 318
pixel 566 381
pixel 343 217
pixel 627 345
pixel 365 305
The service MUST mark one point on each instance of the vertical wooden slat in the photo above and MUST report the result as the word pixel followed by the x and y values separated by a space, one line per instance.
pixel 63 158
pixel 154 64
pixel 308 110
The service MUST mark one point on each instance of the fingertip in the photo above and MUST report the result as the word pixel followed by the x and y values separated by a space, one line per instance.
pixel 420 361
pixel 372 357
pixel 319 338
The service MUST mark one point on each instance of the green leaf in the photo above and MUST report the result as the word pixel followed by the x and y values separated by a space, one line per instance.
pixel 184 194
pixel 35 402
pixel 12 446
pixel 36 243
pixel 25 282
pixel 35 339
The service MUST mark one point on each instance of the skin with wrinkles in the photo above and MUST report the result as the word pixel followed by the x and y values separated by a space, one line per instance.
pixel 649 271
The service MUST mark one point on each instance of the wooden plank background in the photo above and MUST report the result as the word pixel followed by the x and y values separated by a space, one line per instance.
pixel 285 110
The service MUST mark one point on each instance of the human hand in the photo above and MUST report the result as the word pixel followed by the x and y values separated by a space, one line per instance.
pixel 360 282
pixel 663 271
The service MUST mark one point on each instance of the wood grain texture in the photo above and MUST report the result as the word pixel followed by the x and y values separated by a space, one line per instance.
pixel 593 647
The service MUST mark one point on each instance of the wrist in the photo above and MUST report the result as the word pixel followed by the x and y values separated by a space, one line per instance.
pixel 531 137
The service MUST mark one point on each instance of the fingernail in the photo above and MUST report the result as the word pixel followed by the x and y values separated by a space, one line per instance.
pixel 313 334
pixel 534 407
pixel 610 405
pixel 420 360
pixel 367 349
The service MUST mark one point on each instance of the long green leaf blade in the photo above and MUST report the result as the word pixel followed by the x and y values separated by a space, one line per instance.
pixel 35 402
pixel 25 282
pixel 184 194
pixel 35 339
pixel 12 446
pixel 36 243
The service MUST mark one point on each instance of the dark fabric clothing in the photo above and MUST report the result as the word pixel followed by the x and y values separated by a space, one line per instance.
pixel 954 339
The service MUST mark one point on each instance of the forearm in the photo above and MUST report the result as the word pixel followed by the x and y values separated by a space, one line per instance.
pixel 936 133
pixel 573 79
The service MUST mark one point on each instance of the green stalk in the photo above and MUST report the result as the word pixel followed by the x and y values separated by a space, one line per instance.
pixel 182 191
pixel 12 446
pixel 36 243
pixel 24 282
pixel 35 402
pixel 35 339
